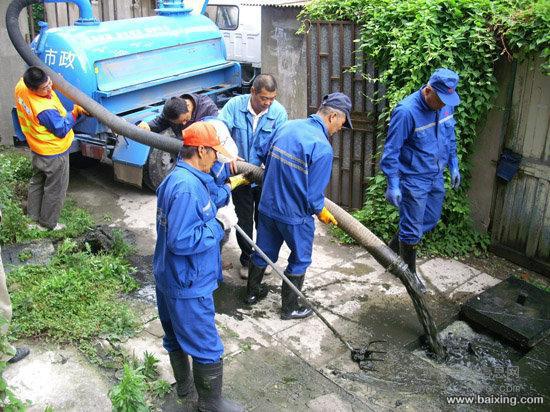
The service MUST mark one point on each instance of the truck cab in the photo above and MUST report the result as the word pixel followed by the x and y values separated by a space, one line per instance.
pixel 240 26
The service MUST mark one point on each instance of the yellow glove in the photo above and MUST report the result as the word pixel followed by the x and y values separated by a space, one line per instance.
pixel 144 126
pixel 79 110
pixel 237 180
pixel 326 217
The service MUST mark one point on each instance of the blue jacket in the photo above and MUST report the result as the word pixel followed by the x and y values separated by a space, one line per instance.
pixel 187 261
pixel 297 170
pixel 238 119
pixel 416 144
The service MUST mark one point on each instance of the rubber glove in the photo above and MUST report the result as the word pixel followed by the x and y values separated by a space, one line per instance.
pixel 237 180
pixel 455 178
pixel 326 217
pixel 79 110
pixel 393 192
pixel 144 126
pixel 227 217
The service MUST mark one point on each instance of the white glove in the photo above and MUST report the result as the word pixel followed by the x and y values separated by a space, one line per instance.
pixel 226 216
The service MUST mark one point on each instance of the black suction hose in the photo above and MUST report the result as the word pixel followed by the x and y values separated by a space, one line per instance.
pixel 115 123
pixel 383 254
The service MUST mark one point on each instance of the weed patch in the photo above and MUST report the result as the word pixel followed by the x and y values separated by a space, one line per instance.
pixel 15 172
pixel 72 299
pixel 138 386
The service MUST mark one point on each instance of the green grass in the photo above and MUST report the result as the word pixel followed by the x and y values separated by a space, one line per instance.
pixel 73 298
pixel 15 172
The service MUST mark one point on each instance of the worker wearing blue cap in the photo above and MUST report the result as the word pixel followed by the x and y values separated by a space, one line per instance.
pixel 421 143
pixel 298 162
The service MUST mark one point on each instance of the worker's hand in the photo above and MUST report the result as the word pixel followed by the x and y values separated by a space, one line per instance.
pixel 393 192
pixel 455 179
pixel 326 217
pixel 144 126
pixel 394 196
pixel 237 180
pixel 79 110
pixel 227 217
pixel 233 165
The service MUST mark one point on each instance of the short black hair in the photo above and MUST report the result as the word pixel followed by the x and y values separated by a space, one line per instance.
pixel 174 107
pixel 34 77
pixel 264 81
pixel 187 152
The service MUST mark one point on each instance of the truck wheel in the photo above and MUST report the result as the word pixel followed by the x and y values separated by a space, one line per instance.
pixel 158 165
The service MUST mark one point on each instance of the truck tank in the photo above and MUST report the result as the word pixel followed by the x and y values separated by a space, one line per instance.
pixel 131 67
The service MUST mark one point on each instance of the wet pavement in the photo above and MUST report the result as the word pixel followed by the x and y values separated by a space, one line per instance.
pixel 273 365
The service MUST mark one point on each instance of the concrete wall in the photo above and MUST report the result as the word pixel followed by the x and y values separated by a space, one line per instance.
pixel 12 69
pixel 284 56
pixel 487 149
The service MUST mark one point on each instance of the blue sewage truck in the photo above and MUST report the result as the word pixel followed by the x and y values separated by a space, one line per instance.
pixel 131 67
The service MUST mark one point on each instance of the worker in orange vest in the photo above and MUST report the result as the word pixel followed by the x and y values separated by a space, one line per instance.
pixel 48 128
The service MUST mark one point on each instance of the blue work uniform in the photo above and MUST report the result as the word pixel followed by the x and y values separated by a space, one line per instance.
pixel 421 143
pixel 187 263
pixel 297 170
pixel 239 120
pixel 219 191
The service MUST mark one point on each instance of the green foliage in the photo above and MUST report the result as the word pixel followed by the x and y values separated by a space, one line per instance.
pixel 120 247
pixel 72 299
pixel 129 394
pixel 139 385
pixel 159 388
pixel 25 255
pixel 15 172
pixel 409 39
pixel 8 400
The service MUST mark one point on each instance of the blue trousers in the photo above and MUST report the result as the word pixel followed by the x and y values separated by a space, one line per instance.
pixel 420 207
pixel 299 239
pixel 189 326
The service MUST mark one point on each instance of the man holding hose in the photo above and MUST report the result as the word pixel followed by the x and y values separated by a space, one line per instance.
pixel 298 162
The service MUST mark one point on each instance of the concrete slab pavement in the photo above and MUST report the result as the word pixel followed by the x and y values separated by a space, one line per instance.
pixel 299 365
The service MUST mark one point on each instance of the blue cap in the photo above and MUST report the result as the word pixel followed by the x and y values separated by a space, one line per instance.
pixel 340 102
pixel 444 82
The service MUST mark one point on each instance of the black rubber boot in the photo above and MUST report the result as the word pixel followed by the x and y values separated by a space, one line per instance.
pixel 208 381
pixel 408 254
pixel 289 300
pixel 394 243
pixel 179 360
pixel 255 291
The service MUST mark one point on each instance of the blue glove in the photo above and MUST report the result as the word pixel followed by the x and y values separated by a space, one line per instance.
pixel 393 192
pixel 455 178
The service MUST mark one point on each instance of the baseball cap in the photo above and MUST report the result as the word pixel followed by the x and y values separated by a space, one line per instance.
pixel 340 102
pixel 203 134
pixel 444 82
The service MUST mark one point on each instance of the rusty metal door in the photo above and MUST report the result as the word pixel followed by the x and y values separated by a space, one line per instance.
pixel 520 226
pixel 331 51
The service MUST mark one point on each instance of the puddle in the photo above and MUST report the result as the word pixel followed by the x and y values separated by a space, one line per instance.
pixel 355 269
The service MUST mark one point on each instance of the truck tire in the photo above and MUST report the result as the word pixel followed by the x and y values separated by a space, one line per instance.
pixel 159 164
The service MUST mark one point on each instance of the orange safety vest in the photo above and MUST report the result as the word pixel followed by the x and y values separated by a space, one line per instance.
pixel 40 139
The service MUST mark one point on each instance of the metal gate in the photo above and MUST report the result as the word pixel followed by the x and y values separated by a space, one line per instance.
pixel 520 225
pixel 331 51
